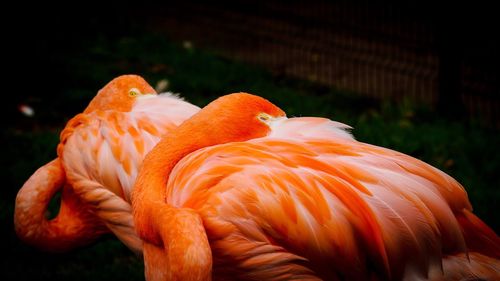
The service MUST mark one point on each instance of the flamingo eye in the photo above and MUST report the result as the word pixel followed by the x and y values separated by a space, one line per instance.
pixel 264 117
pixel 134 92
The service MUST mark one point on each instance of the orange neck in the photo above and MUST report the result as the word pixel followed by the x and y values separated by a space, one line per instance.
pixel 169 232
pixel 149 192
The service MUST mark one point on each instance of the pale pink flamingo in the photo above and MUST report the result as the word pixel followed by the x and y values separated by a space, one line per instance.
pixel 99 154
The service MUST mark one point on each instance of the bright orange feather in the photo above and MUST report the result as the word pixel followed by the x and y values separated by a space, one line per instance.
pixel 300 199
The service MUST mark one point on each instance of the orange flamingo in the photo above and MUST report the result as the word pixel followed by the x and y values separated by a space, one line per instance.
pixel 98 158
pixel 239 192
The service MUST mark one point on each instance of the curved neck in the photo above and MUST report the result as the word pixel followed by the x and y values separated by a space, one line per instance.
pixel 188 255
pixel 73 226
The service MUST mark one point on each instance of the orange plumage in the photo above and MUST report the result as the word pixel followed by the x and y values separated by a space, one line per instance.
pixel 99 153
pixel 232 195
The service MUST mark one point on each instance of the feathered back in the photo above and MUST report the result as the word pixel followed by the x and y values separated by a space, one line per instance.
pixel 341 208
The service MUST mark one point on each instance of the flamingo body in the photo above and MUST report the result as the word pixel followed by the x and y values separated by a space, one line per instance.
pixel 301 200
pixel 104 150
pixel 98 158
pixel 309 200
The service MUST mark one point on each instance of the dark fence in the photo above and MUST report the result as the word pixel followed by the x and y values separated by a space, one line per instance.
pixel 428 53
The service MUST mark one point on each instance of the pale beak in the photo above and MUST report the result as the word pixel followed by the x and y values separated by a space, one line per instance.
pixel 276 121
pixel 146 96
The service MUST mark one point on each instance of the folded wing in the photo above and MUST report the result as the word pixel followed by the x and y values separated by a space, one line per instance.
pixel 309 200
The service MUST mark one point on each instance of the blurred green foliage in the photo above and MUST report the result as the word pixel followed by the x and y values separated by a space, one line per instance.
pixel 466 152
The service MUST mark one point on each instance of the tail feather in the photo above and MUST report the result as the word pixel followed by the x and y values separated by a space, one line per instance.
pixel 74 226
pixel 478 236
pixel 473 266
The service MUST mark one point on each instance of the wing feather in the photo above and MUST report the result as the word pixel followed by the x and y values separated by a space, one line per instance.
pixel 103 150
pixel 326 198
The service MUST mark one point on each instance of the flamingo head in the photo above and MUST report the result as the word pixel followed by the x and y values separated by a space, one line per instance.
pixel 236 117
pixel 120 94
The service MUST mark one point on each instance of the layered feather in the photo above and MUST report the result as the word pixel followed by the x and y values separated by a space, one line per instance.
pixel 308 201
pixel 103 150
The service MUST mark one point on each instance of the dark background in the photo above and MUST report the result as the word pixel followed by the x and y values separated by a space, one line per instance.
pixel 419 77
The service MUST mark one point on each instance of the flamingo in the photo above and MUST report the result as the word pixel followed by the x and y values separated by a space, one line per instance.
pixel 98 158
pixel 240 192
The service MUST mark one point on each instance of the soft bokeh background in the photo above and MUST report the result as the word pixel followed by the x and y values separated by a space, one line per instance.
pixel 419 78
